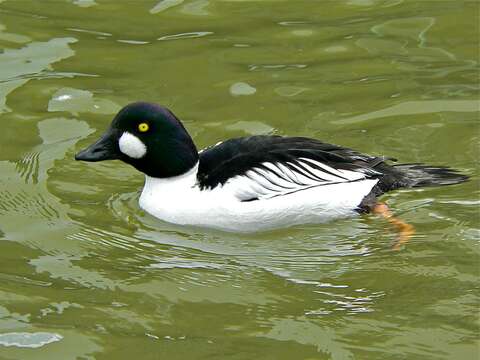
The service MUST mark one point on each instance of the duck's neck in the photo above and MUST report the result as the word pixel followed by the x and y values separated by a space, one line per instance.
pixel 170 186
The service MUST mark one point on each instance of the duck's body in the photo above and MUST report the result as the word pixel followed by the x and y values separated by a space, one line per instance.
pixel 181 200
pixel 252 183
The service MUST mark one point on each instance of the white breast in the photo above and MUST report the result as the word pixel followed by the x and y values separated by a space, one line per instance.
pixel 179 200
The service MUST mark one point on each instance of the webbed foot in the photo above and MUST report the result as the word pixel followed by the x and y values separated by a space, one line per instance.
pixel 405 230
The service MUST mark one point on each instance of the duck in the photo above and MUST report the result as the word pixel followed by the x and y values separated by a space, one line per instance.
pixel 254 183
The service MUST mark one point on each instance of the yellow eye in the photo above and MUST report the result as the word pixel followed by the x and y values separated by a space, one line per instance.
pixel 143 127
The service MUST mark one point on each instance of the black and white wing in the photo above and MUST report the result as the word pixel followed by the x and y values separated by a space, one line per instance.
pixel 263 167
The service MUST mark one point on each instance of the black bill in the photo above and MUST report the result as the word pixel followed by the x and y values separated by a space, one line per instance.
pixel 104 148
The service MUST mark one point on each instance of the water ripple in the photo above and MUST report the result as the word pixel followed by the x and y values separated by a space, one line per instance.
pixel 188 35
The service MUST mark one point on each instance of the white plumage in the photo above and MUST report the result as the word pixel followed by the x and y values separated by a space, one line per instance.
pixel 132 146
pixel 282 198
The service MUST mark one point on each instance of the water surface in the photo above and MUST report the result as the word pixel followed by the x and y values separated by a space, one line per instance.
pixel 85 274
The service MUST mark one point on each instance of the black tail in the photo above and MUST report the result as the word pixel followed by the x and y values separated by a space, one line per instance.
pixel 417 175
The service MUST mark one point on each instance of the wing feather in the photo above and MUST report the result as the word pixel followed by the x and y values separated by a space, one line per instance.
pixel 262 167
pixel 275 179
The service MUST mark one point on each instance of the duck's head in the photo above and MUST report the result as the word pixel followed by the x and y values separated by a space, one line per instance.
pixel 148 137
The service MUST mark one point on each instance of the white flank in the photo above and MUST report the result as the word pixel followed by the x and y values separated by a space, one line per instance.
pixel 132 146
pixel 285 198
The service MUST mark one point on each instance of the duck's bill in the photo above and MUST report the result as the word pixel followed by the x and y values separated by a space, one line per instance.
pixel 103 149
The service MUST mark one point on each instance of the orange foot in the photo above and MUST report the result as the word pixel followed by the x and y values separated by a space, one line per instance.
pixel 405 231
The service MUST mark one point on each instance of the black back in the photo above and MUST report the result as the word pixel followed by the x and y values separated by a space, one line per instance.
pixel 237 156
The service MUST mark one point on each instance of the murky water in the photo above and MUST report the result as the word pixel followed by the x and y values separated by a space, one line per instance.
pixel 85 274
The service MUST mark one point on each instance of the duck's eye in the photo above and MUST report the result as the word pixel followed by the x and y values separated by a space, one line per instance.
pixel 143 127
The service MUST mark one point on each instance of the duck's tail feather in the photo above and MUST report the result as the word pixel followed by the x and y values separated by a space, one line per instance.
pixel 417 175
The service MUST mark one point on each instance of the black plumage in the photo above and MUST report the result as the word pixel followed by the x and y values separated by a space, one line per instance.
pixel 237 156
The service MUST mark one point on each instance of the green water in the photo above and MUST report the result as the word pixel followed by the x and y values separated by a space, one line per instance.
pixel 82 267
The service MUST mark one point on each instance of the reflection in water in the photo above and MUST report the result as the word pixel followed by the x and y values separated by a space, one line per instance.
pixel 85 3
pixel 29 340
pixel 164 5
pixel 405 30
pixel 241 88
pixel 415 108
pixel 100 33
pixel 14 38
pixel 188 35
pixel 28 167
pixel 80 260
pixel 18 65
pixel 197 8
pixel 255 67
pixel 300 256
pixel 76 101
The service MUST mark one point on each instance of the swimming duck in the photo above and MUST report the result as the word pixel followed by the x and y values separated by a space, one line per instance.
pixel 251 183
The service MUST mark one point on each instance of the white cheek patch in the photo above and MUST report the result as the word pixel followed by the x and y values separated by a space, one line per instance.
pixel 132 146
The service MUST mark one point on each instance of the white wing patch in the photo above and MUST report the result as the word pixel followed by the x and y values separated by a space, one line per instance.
pixel 274 179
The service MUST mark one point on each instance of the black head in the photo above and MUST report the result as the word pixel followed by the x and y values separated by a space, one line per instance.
pixel 148 137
